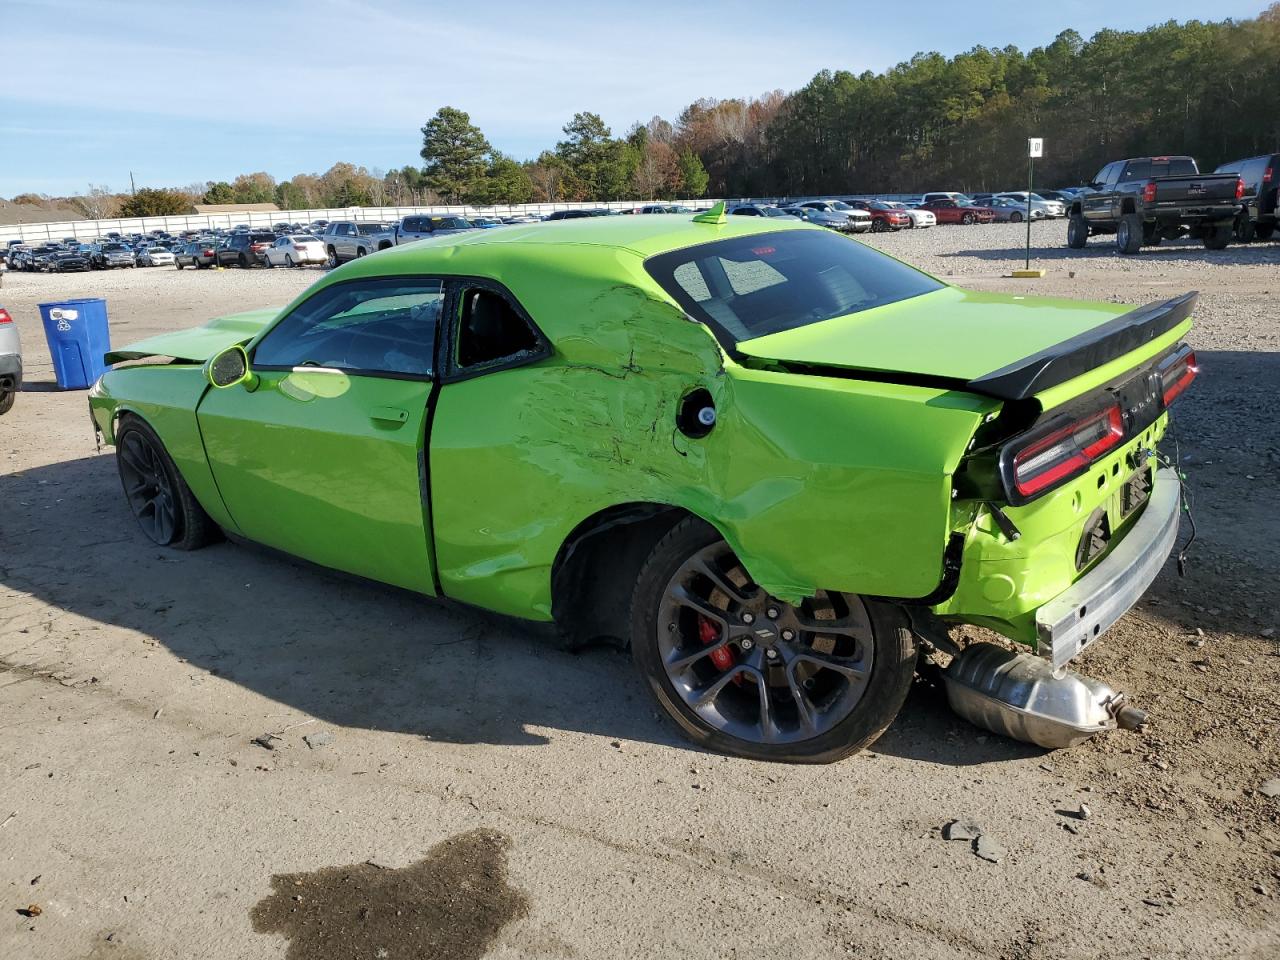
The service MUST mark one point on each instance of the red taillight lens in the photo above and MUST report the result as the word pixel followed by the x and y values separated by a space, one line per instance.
pixel 1266 177
pixel 1149 193
pixel 1066 451
pixel 1176 375
pixel 1239 188
pixel 4 316
pixel 206 253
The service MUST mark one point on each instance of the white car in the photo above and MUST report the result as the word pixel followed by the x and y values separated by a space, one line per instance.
pixel 155 257
pixel 1045 208
pixel 295 250
pixel 919 218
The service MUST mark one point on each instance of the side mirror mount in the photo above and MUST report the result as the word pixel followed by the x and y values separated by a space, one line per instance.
pixel 229 367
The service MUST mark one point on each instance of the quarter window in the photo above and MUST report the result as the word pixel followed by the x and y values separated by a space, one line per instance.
pixel 370 327
pixel 490 329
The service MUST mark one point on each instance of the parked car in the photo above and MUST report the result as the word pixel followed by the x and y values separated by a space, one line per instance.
pixel 1144 200
pixel 485 223
pixel 68 261
pixel 943 195
pixel 920 219
pixel 771 614
pixel 761 210
pixel 1260 204
pixel 860 221
pixel 1009 210
pixel 576 214
pixel 197 253
pixel 830 219
pixel 244 249
pixel 349 239
pixel 422 226
pixel 10 361
pixel 295 250
pixel 1062 196
pixel 948 210
pixel 1050 209
pixel 109 256
pixel 883 216
pixel 155 256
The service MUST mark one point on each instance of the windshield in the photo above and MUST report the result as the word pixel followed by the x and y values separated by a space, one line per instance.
pixel 840 205
pixel 751 286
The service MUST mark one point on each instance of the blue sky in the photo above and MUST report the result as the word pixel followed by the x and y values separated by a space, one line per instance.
pixel 181 91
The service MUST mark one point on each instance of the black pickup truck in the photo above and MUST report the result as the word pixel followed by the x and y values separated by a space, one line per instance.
pixel 1148 199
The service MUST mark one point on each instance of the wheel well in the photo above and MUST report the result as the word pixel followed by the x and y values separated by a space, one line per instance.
pixel 384 245
pixel 1075 210
pixel 595 571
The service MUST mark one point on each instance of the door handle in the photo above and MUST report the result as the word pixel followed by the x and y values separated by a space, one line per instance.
pixel 389 414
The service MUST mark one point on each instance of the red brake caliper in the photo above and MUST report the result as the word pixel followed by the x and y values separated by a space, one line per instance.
pixel 709 633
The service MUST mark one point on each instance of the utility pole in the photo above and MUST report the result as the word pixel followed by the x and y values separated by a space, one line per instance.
pixel 1035 148
pixel 133 191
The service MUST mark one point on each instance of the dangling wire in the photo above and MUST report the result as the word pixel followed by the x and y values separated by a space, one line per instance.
pixel 1183 496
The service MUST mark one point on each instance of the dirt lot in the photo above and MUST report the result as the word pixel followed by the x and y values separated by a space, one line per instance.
pixel 528 801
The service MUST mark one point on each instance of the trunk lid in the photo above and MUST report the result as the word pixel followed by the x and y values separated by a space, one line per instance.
pixel 199 343
pixel 1001 345
pixel 1194 189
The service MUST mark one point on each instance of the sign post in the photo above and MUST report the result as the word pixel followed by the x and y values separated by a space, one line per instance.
pixel 1035 148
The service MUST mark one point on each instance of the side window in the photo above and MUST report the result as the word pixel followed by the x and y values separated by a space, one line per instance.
pixel 412 224
pixel 490 329
pixel 1139 170
pixel 370 326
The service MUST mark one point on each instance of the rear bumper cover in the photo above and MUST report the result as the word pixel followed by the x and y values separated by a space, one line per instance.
pixel 10 371
pixel 1083 612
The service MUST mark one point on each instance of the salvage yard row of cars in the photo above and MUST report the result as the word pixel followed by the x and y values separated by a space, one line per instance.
pixel 700 512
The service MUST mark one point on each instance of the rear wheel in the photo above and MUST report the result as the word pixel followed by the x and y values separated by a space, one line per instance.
pixel 1151 235
pixel 745 673
pixel 243 262
pixel 7 398
pixel 267 261
pixel 1015 217
pixel 332 261
pixel 160 499
pixel 1218 236
pixel 288 261
pixel 1129 234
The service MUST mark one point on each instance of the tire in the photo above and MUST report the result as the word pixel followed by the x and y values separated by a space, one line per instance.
pixel 846 714
pixel 266 262
pixel 967 219
pixel 360 252
pixel 1264 231
pixel 178 264
pixel 1015 217
pixel 161 501
pixel 879 226
pixel 1151 236
pixel 333 258
pixel 243 262
pixel 288 260
pixel 1077 232
pixel 1218 236
pixel 1245 229
pixel 7 397
pixel 1129 234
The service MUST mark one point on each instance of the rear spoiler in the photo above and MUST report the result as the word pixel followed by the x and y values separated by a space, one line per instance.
pixel 1084 352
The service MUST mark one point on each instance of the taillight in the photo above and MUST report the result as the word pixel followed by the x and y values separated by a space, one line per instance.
pixel 4 316
pixel 1176 374
pixel 1149 193
pixel 1239 188
pixel 1266 176
pixel 1050 460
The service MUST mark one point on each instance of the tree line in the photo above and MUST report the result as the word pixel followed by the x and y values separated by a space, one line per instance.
pixel 1207 89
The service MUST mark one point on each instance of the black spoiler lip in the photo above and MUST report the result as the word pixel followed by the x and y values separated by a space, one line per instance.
pixel 1082 353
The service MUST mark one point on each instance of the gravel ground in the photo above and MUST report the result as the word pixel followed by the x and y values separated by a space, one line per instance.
pixel 430 752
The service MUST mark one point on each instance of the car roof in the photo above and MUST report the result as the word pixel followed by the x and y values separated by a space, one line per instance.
pixel 642 236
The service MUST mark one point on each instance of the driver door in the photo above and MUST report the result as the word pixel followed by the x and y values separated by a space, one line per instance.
pixel 323 457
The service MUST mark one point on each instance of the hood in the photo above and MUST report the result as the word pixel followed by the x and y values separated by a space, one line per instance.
pixel 1001 344
pixel 199 343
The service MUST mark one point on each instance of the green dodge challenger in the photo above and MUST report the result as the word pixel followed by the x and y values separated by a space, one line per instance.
pixel 773 459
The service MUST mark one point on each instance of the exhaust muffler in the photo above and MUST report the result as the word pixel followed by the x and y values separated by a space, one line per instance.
pixel 1019 695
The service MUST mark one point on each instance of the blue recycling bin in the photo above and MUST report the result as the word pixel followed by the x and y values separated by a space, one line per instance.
pixel 77 333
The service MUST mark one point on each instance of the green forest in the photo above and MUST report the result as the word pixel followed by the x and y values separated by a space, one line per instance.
pixel 1208 89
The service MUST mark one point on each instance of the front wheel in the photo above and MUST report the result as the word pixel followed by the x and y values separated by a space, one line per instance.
pixel 1077 232
pixel 1015 217
pixel 1264 231
pixel 332 260
pixel 160 499
pixel 879 226
pixel 745 673
pixel 268 262
pixel 6 400
pixel 967 219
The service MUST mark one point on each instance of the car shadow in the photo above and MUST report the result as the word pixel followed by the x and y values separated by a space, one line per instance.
pixel 1177 251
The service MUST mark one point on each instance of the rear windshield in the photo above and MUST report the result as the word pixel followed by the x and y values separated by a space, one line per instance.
pixel 371 228
pixel 1158 167
pixel 751 286
pixel 262 238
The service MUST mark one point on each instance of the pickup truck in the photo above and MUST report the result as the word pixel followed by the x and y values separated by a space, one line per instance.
pixel 347 239
pixel 1144 200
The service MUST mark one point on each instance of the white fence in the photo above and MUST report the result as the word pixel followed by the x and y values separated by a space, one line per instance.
pixel 89 230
